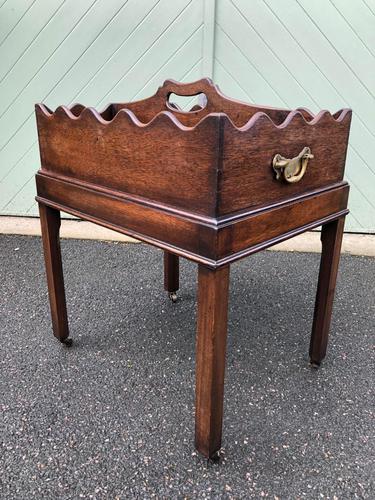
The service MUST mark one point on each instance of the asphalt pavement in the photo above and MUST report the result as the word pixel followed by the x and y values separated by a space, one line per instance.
pixel 112 417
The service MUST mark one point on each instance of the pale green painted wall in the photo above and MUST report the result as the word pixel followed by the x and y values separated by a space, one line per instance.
pixel 318 54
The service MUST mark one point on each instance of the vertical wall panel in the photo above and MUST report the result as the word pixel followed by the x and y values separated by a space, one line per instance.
pixel 316 54
pixel 94 51
pixel 292 53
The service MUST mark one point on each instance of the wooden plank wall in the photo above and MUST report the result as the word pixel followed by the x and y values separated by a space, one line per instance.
pixel 318 54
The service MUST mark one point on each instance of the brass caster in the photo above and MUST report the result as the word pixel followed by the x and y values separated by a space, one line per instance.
pixel 215 458
pixel 67 342
pixel 172 296
pixel 314 364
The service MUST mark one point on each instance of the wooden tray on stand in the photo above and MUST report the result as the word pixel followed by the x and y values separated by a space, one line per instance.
pixel 213 185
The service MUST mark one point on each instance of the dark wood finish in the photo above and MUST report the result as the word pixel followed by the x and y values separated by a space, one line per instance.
pixel 331 237
pixel 137 159
pixel 210 357
pixel 276 221
pixel 50 223
pixel 214 167
pixel 238 112
pixel 247 179
pixel 211 241
pixel 171 272
pixel 200 185
pixel 119 212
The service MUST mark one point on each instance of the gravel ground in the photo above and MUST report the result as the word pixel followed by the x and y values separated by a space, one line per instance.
pixel 113 416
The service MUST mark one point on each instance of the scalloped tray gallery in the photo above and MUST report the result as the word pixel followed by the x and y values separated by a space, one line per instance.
pixel 211 161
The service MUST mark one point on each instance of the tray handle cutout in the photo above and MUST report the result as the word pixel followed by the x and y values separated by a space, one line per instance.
pixel 204 88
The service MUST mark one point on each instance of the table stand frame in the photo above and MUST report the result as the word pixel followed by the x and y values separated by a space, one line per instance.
pixel 213 285
pixel 214 185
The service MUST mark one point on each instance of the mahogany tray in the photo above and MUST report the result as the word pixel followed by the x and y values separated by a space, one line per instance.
pixel 214 184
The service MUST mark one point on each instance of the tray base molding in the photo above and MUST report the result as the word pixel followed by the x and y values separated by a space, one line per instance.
pixel 205 240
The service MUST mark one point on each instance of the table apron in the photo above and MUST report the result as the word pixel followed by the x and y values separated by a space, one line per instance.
pixel 214 244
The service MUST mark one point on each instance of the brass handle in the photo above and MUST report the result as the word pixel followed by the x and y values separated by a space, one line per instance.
pixel 292 170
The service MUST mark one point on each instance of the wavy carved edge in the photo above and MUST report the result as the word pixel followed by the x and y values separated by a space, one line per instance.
pixel 78 111
pixel 259 118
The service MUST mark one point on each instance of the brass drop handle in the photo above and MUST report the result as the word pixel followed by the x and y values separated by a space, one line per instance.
pixel 292 170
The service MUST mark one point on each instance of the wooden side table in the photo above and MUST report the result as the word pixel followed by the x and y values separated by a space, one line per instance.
pixel 213 185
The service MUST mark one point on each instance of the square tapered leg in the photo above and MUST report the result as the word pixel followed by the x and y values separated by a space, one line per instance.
pixel 50 224
pixel 171 274
pixel 331 237
pixel 213 287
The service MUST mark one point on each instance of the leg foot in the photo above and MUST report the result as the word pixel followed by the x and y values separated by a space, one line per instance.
pixel 215 457
pixel 331 237
pixel 210 358
pixel 67 342
pixel 173 296
pixel 314 364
